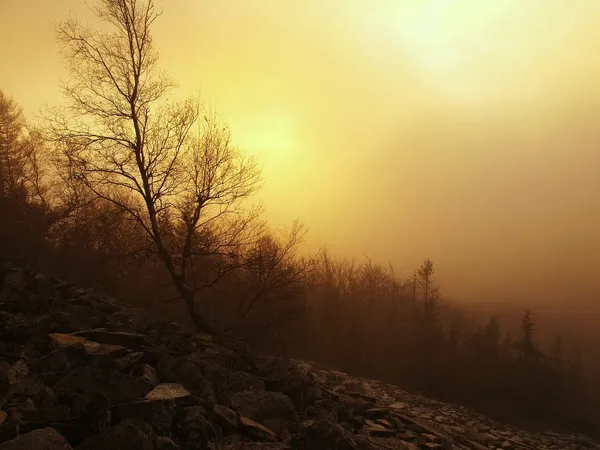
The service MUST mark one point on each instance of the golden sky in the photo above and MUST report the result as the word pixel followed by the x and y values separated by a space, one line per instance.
pixel 467 131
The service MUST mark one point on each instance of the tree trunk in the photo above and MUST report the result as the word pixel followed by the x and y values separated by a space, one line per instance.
pixel 184 291
pixel 190 302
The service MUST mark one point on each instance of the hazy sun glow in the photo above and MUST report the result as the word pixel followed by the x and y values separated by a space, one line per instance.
pixel 461 130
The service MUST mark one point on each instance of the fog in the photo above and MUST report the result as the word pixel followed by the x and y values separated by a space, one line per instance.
pixel 463 131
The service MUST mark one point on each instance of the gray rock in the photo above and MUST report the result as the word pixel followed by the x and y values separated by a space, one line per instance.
pixel 127 435
pixel 256 431
pixel 177 370
pixel 134 341
pixel 147 373
pixel 165 443
pixel 289 379
pixel 47 415
pixel 376 429
pixel 193 428
pixel 93 406
pixel 63 360
pixel 159 414
pixel 117 386
pixel 97 377
pixel 358 404
pixel 226 418
pixel 17 372
pixel 60 340
pixel 257 446
pixel 323 435
pixel 168 391
pixel 226 382
pixel 260 406
pixel 125 362
pixel 4 367
pixel 42 439
pixel 32 389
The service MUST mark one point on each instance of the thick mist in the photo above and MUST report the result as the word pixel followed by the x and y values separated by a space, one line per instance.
pixel 457 130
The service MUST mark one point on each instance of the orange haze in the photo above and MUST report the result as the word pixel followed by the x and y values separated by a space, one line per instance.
pixel 466 131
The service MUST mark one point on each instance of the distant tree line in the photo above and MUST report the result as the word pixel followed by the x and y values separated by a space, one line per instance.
pixel 144 198
pixel 364 319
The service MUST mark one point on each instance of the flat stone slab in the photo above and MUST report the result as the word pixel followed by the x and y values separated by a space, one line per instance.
pixel 397 406
pixel 124 338
pixel 60 340
pixel 376 429
pixel 168 391
pixel 255 430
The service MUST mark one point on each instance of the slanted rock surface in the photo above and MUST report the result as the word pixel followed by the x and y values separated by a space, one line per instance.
pixel 81 371
pixel 41 439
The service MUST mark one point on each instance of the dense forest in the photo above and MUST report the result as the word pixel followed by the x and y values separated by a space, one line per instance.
pixel 135 195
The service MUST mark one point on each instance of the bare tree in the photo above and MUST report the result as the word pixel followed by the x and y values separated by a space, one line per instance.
pixel 12 150
pixel 424 276
pixel 126 138
pixel 273 269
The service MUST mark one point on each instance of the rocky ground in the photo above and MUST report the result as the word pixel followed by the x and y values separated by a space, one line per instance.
pixel 81 371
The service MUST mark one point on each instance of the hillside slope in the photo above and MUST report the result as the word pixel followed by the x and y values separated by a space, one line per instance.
pixel 78 370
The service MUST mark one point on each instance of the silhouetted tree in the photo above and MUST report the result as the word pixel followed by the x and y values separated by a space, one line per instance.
pixel 425 280
pixel 125 138
pixel 273 279
pixel 557 355
pixel 525 345
pixel 12 148
pixel 24 220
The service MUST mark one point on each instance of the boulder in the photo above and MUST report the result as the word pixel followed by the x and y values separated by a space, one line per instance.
pixel 257 446
pixel 168 391
pixel 92 407
pixel 263 405
pixel 193 428
pixel 4 368
pixel 256 431
pixel 159 414
pixel 178 370
pixel 225 382
pixel 42 286
pixel 61 361
pixel 114 384
pixel 42 439
pixel 165 443
pixel 127 435
pixel 17 372
pixel 146 373
pixel 323 435
pixel 282 376
pixel 82 318
pixel 12 329
pixel 226 418
pixel 29 388
pixel 227 358
pixel 126 362
pixel 358 404
pixel 47 415
pixel 59 340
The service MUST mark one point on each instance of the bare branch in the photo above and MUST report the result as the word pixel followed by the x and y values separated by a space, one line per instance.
pixel 130 145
